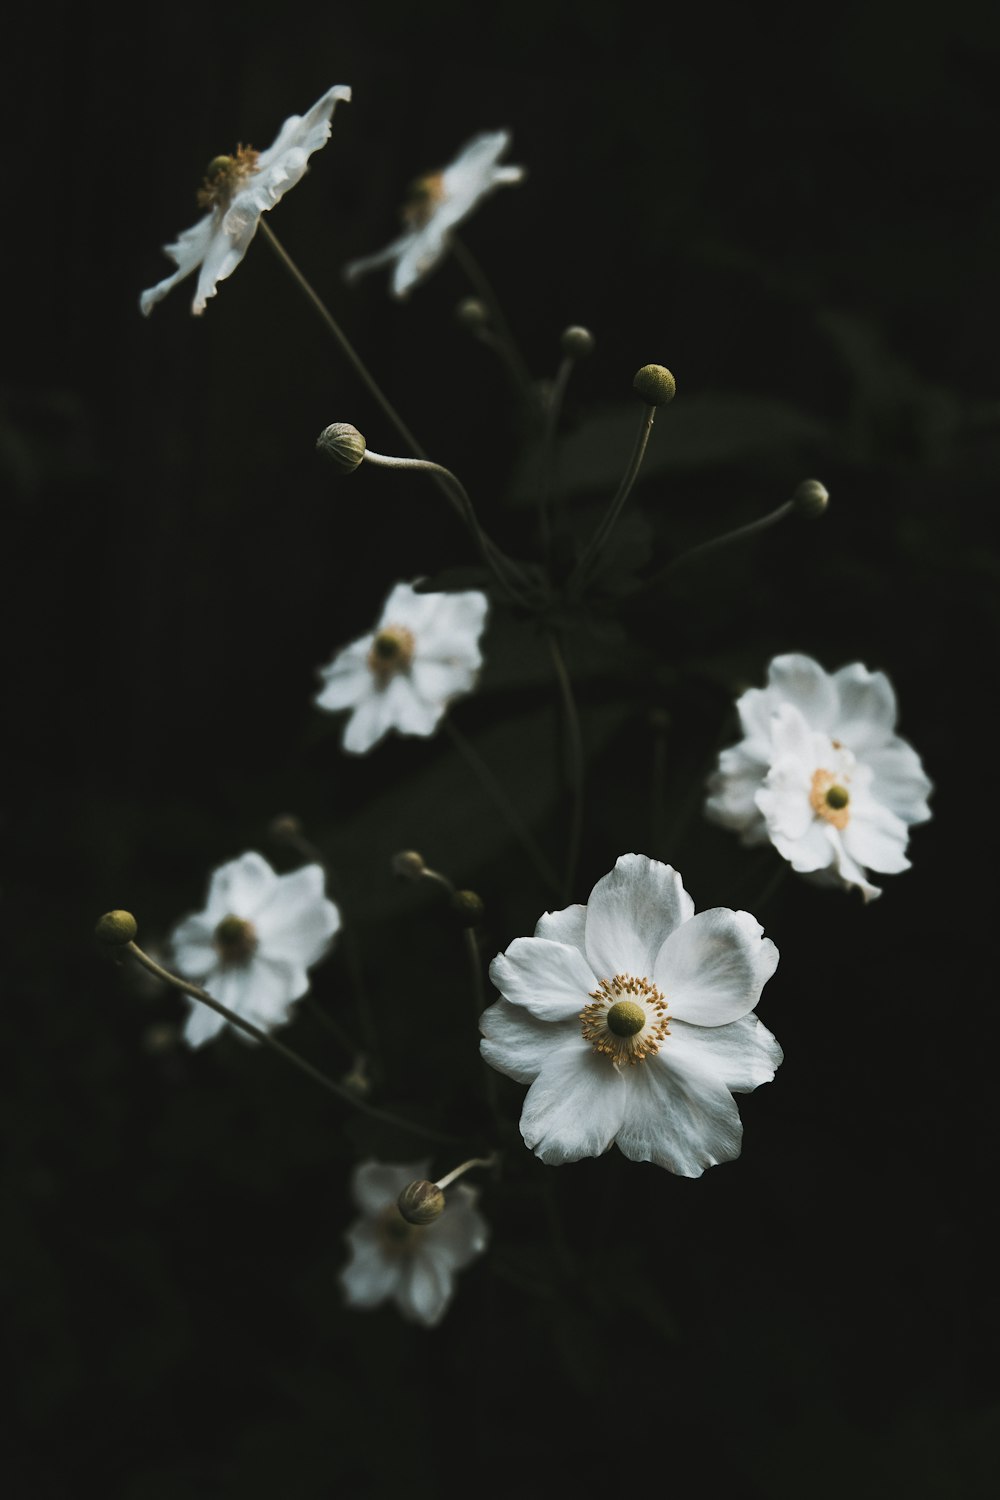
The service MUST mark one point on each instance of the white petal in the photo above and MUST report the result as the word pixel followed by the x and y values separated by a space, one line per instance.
pixel 683 1119
pixel 258 991
pixel 848 869
pixel 551 980
pixel 630 912
pixel 356 268
pixel 305 133
pixel 813 851
pixel 420 255
pixel 370 1276
pixel 575 1106
pixel 437 682
pixel 348 677
pixel 784 802
pixel 732 788
pixel 240 888
pixel 867 710
pixel 202 1024
pixel 222 256
pixel 713 968
pixel 456 626
pixel 391 707
pixel 875 837
pixel 742 1055
pixel 424 1290
pixel 404 606
pixel 566 926
pixel 460 1234
pixel 297 922
pixel 802 682
pixel 192 952
pixel 375 1184
pixel 516 1043
pixel 187 252
pixel 900 782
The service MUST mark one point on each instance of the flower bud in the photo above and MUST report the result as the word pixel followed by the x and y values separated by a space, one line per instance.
pixel 421 1202
pixel 576 342
pixel 408 864
pixel 116 928
pixel 655 384
pixel 811 498
pixel 286 826
pixel 472 313
pixel 343 445
pixel 468 907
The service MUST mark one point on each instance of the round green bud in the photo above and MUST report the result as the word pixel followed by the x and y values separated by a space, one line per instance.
pixel 116 928
pixel 468 907
pixel 343 445
pixel 408 864
pixel 625 1018
pixel 811 498
pixel 655 384
pixel 421 1202
pixel 576 341
pixel 472 313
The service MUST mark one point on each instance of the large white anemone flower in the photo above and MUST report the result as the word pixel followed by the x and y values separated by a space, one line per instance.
pixel 632 1020
pixel 251 946
pixel 237 189
pixel 421 654
pixel 413 1264
pixel 822 774
pixel 437 202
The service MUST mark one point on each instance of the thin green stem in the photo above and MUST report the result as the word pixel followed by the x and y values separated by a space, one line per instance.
pixel 347 348
pixel 506 808
pixel 738 535
pixel 603 531
pixel 575 762
pixel 553 409
pixel 504 341
pixel 287 1053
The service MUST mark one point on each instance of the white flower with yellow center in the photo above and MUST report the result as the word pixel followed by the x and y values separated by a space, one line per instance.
pixel 237 189
pixel 437 203
pixel 632 1020
pixel 414 1265
pixel 421 654
pixel 822 774
pixel 251 946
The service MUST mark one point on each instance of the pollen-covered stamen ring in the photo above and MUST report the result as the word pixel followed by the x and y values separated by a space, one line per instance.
pixel 425 194
pixel 224 174
pixel 234 940
pixel 626 1020
pixel 829 798
pixel 391 652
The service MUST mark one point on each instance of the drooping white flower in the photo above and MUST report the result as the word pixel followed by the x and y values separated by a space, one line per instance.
pixel 822 774
pixel 632 1020
pixel 251 946
pixel 437 203
pixel 412 1264
pixel 421 654
pixel 236 191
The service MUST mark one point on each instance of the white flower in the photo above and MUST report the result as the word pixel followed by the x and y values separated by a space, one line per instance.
pixel 423 651
pixel 821 773
pixel 413 1264
pixel 437 203
pixel 251 946
pixel 632 1020
pixel 236 191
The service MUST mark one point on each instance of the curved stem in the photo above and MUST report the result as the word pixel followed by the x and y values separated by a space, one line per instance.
pixel 553 409
pixel 600 536
pixel 504 341
pixel 287 1053
pixel 575 762
pixel 737 535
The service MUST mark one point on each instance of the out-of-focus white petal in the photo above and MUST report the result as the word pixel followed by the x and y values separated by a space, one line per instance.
pixel 240 888
pixel 192 951
pixel 899 781
pixel 376 1183
pixel 203 1023
pixel 424 1289
pixel 867 710
pixel 712 969
pixel 799 680
pixel 369 1276
pixel 298 922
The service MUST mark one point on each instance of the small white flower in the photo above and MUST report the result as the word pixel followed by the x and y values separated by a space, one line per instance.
pixel 236 191
pixel 413 1264
pixel 436 204
pixel 251 946
pixel 421 654
pixel 821 773
pixel 632 1020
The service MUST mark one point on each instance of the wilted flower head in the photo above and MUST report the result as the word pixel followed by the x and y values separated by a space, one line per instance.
pixel 421 654
pixel 821 773
pixel 437 202
pixel 251 946
pixel 237 189
pixel 632 1020
pixel 413 1264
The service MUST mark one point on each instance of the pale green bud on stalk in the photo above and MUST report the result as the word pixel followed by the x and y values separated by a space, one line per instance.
pixel 468 907
pixel 408 864
pixel 421 1202
pixel 655 384
pixel 811 498
pixel 343 445
pixel 116 928
pixel 576 342
pixel 473 314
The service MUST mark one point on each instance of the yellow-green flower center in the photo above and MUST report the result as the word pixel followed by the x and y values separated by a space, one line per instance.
pixel 223 176
pixel 391 652
pixel 234 940
pixel 626 1020
pixel 830 798
pixel 424 196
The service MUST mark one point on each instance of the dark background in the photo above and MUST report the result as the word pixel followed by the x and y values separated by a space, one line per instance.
pixel 804 227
